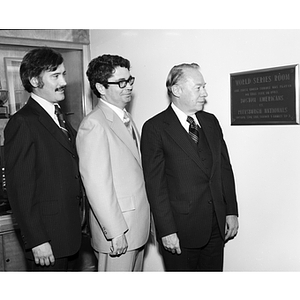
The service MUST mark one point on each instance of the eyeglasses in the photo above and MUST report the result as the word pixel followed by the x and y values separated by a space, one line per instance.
pixel 122 83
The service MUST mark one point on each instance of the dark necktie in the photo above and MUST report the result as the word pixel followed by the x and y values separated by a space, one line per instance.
pixel 193 130
pixel 61 121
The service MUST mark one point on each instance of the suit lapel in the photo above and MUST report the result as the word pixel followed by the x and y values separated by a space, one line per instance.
pixel 178 134
pixel 208 129
pixel 49 124
pixel 120 130
pixel 136 132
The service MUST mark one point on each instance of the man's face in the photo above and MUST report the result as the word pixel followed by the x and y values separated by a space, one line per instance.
pixel 192 92
pixel 114 94
pixel 54 86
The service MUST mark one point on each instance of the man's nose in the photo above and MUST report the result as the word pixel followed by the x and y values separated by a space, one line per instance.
pixel 63 81
pixel 204 92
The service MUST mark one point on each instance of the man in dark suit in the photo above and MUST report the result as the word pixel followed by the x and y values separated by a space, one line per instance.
pixel 189 179
pixel 41 165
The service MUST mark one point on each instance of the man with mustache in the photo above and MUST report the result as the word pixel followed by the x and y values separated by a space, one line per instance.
pixel 111 170
pixel 41 165
pixel 189 179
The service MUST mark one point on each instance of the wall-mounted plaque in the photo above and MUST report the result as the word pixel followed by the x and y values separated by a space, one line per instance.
pixel 265 97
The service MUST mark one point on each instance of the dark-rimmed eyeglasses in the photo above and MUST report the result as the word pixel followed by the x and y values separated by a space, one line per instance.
pixel 122 83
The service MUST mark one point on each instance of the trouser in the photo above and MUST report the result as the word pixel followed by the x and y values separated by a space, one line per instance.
pixel 207 258
pixel 131 261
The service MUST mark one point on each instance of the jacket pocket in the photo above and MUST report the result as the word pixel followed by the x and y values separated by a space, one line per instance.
pixel 126 204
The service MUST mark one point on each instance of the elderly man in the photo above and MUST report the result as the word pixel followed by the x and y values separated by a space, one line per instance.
pixel 189 179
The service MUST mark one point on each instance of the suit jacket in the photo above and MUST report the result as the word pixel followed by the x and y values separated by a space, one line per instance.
pixel 182 195
pixel 112 175
pixel 43 182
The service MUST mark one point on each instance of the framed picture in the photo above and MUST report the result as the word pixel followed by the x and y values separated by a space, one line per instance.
pixel 17 96
pixel 265 97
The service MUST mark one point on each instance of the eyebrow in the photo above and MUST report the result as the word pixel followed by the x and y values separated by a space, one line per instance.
pixel 200 84
pixel 58 72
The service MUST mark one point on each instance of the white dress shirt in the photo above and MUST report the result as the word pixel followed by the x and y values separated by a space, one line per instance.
pixel 47 106
pixel 183 117
pixel 120 112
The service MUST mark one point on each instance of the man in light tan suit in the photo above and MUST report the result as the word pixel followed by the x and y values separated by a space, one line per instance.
pixel 110 167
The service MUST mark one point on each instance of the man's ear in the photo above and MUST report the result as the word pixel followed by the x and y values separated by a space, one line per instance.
pixel 100 88
pixel 176 90
pixel 34 82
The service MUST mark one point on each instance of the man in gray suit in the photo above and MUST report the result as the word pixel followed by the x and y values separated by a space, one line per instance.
pixel 111 170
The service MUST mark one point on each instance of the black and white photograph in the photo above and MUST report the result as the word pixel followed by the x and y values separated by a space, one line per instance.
pixel 166 153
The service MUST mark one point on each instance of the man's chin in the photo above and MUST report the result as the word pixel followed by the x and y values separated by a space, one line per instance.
pixel 61 98
pixel 201 107
pixel 128 99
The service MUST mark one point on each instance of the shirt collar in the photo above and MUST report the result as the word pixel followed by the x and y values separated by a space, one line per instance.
pixel 183 116
pixel 120 112
pixel 46 105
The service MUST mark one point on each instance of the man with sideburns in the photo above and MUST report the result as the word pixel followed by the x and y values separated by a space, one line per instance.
pixel 41 166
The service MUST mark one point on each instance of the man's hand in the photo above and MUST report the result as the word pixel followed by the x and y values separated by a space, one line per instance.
pixel 171 243
pixel 43 255
pixel 119 245
pixel 231 227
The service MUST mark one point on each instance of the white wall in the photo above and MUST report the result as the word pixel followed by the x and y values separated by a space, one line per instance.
pixel 265 159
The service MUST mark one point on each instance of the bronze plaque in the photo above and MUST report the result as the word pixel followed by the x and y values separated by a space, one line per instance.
pixel 265 97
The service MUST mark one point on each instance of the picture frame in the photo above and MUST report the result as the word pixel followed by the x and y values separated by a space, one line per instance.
pixel 266 96
pixel 17 95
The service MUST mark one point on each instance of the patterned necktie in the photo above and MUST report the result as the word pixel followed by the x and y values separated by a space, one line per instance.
pixel 62 121
pixel 193 130
pixel 127 123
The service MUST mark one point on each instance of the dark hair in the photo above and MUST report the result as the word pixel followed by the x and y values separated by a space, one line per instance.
pixel 37 61
pixel 177 73
pixel 100 69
